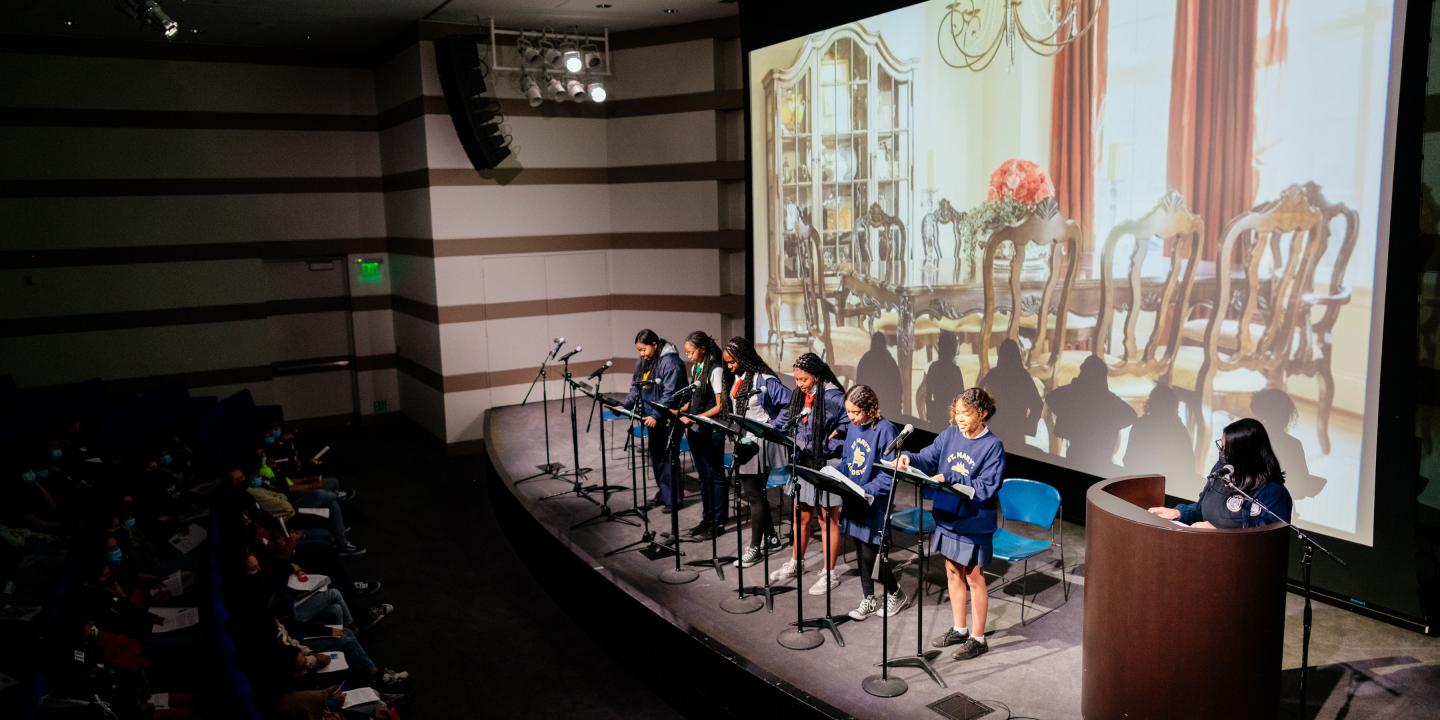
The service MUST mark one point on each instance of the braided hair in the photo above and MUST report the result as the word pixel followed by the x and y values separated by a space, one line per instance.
pixel 710 358
pixel 811 363
pixel 751 366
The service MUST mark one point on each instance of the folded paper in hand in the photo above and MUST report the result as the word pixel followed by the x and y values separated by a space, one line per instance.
pixel 359 696
pixel 312 583
pixel 317 512
pixel 173 618
pixel 337 663
pixel 187 541
pixel 839 477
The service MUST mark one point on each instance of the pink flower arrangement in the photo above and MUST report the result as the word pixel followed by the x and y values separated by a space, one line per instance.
pixel 1019 180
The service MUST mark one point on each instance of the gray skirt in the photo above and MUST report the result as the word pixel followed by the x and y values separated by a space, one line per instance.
pixel 959 550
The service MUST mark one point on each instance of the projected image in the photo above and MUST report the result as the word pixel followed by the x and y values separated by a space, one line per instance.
pixel 1170 224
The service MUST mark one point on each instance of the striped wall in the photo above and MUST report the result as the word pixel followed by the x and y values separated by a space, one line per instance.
pixel 199 220
pixel 607 219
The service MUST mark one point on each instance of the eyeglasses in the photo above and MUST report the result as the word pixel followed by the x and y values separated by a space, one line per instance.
pixel 1220 444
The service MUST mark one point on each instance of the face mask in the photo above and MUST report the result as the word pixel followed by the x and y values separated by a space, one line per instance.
pixel 275 433
pixel 113 557
pixel 28 476
pixel 255 481
pixel 42 474
pixel 129 522
pixel 57 453
pixel 269 439
pixel 165 459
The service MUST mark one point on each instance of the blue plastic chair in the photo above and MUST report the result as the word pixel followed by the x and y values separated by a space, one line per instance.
pixel 608 416
pixel 1038 504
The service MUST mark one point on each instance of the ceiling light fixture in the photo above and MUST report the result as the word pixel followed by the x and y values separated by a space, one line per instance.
pixel 670 11
pixel 972 31
pixel 150 13
pixel 597 91
pixel 560 66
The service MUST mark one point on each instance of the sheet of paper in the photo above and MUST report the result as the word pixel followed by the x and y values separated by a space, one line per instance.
pixel 173 585
pixel 173 619
pixel 337 663
pixel 360 696
pixel 312 583
pixel 965 490
pixel 317 512
pixel 161 701
pixel 189 540
pixel 837 476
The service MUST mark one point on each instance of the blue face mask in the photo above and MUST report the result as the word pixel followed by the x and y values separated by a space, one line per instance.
pixel 57 453
pixel 130 522
pixel 113 557
pixel 255 481
pixel 275 433
pixel 42 474
pixel 165 459
pixel 28 476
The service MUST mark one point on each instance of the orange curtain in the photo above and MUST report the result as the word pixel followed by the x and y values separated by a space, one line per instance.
pixel 1076 98
pixel 1210 160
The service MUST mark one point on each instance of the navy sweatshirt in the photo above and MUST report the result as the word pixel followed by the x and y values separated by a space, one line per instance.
pixel 979 463
pixel 862 449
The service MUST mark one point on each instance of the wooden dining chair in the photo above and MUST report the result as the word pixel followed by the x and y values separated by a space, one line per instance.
pixel 843 344
pixel 1139 322
pixel 1256 315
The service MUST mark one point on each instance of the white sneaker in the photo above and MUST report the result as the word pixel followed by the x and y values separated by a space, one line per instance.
pixel 828 579
pixel 894 603
pixel 786 571
pixel 868 606
pixel 752 556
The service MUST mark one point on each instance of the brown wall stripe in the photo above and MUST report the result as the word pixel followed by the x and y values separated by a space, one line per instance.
pixel 132 187
pixel 731 305
pixel 183 120
pixel 235 375
pixel 672 172
pixel 95 322
pixel 424 247
pixel 425 375
pixel 179 51
pixel 516 376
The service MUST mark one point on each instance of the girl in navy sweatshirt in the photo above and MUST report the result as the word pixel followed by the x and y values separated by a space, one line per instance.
pixel 755 457
pixel 868 437
pixel 966 453
pixel 817 413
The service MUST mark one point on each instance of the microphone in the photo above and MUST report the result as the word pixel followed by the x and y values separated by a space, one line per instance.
pixel 795 421
pixel 570 354
pixel 899 439
pixel 1224 472
pixel 558 342
pixel 749 393
pixel 600 370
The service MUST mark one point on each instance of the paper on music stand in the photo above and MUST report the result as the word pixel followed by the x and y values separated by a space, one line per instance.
pixel 311 584
pixel 927 481
pixel 189 540
pixel 172 619
pixel 359 696
pixel 829 471
pixel 337 663
pixel 317 512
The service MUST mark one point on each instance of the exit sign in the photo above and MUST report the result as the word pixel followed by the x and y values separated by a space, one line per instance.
pixel 371 271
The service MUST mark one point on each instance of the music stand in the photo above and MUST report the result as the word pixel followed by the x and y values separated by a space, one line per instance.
pixel 715 560
pixel 677 575
pixel 604 514
pixel 828 485
pixel 764 433
pixel 646 544
pixel 922 657
pixel 549 468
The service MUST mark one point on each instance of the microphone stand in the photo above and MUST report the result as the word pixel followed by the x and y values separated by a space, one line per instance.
pixel 712 426
pixel 646 544
pixel 1307 558
pixel 549 468
pixel 677 575
pixel 605 488
pixel 883 685
pixel 799 637
pixel 578 487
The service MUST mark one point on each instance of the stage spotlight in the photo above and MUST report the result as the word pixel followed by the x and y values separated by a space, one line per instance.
pixel 552 57
pixel 529 54
pixel 597 91
pixel 150 13
pixel 593 60
pixel 532 91
pixel 576 89
pixel 556 89
pixel 573 63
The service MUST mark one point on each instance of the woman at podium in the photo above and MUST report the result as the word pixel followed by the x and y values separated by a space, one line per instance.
pixel 1247 463
pixel 817 411
pixel 966 453
pixel 758 395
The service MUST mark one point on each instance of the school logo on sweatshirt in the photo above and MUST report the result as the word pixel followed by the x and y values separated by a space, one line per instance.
pixel 859 457
pixel 961 462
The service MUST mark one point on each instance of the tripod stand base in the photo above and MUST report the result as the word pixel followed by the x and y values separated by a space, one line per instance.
pixel 678 577
pixel 800 639
pixel 547 470
pixel 825 623
pixel 605 515
pixel 736 605
pixel 920 661
pixel 885 687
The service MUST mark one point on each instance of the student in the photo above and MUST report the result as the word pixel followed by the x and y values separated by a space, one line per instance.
pixel 754 457
pixel 1244 446
pixel 966 453
pixel 659 376
pixel 817 412
pixel 869 435
pixel 708 377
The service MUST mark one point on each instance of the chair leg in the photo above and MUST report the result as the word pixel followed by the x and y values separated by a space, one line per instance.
pixel 1024 590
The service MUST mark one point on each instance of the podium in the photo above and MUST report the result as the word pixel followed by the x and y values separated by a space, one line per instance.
pixel 1179 622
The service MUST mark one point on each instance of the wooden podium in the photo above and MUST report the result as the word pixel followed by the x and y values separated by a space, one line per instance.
pixel 1179 622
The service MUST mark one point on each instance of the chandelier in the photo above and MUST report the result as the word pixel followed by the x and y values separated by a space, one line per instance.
pixel 972 31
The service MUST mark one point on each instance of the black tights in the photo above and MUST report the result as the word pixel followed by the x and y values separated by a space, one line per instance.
pixel 866 554
pixel 760 521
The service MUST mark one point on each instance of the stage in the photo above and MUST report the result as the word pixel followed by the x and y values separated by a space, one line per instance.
pixel 1033 670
